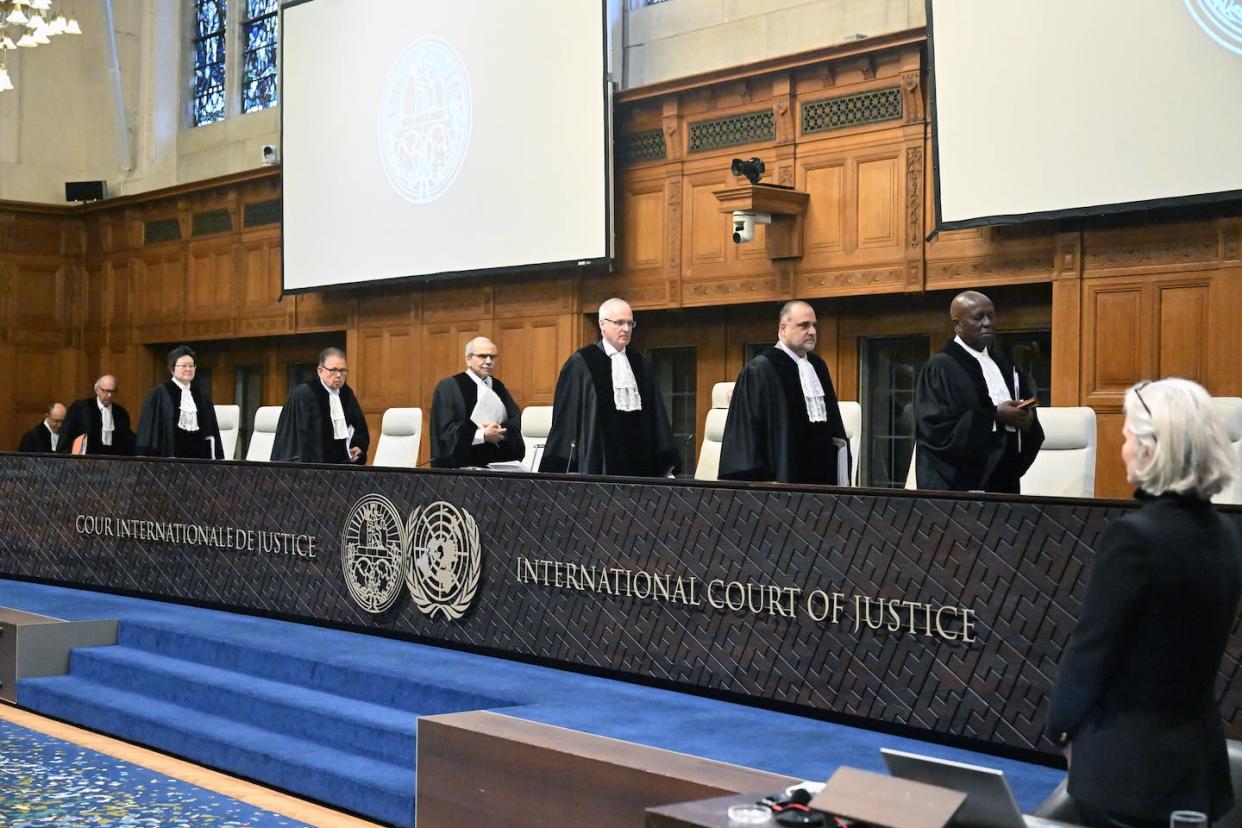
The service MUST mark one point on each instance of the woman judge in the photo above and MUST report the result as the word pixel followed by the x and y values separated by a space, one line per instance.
pixel 1134 705
pixel 178 419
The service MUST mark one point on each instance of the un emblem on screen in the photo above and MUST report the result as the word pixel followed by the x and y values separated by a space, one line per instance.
pixel 1221 19
pixel 425 119
pixel 436 553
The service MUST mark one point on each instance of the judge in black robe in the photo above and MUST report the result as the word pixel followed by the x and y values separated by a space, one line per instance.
pixel 86 418
pixel 768 434
pixel 162 428
pixel 589 434
pixel 457 440
pixel 963 443
pixel 304 432
pixel 39 439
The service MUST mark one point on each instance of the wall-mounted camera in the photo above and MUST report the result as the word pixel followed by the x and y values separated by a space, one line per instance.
pixel 752 169
pixel 270 154
pixel 744 223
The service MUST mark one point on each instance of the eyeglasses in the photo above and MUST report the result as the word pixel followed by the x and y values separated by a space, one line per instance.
pixel 184 365
pixel 484 357
pixel 624 323
pixel 336 372
pixel 1139 388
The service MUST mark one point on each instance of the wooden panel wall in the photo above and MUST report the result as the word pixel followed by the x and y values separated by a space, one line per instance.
pixel 82 293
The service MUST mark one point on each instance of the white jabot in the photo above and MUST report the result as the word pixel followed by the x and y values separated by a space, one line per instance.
pixel 55 436
pixel 812 388
pixel 188 420
pixel 106 423
pixel 997 390
pixel 488 407
pixel 624 385
pixel 336 412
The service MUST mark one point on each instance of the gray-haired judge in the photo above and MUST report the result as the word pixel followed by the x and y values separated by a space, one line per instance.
pixel 321 421
pixel 1134 707
pixel 97 424
pixel 607 414
pixel 474 420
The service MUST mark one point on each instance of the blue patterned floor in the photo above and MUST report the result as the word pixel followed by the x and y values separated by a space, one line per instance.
pixel 46 781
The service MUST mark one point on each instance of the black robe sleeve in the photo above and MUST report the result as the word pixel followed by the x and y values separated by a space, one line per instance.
pixel 668 458
pixel 154 437
pixel 357 420
pixel 297 431
pixel 513 447
pixel 573 429
pixel 956 432
pixel 757 402
pixel 452 430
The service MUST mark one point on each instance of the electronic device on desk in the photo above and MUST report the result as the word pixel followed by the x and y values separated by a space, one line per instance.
pixel 989 800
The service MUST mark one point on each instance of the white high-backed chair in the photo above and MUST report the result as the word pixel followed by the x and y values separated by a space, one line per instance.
pixel 1230 411
pixel 264 434
pixel 228 417
pixel 911 479
pixel 708 467
pixel 1065 465
pixel 536 426
pixel 401 433
pixel 851 417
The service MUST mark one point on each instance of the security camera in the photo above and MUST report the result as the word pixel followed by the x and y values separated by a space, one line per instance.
pixel 752 168
pixel 271 155
pixel 744 223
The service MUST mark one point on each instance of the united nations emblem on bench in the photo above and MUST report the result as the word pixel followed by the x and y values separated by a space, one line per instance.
pixel 436 553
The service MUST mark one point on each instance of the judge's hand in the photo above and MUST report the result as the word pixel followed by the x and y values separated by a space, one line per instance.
pixel 493 433
pixel 1008 414
pixel 1068 751
pixel 354 454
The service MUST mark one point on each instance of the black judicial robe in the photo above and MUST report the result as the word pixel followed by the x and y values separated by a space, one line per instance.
pixel 768 436
pixel 39 441
pixel 602 440
pixel 84 417
pixel 304 430
pixel 158 435
pixel 958 448
pixel 452 430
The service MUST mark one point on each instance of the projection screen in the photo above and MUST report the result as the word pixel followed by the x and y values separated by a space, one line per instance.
pixel 1065 107
pixel 434 139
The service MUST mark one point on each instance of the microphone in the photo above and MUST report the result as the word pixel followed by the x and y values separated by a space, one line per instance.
pixel 689 437
pixel 573 444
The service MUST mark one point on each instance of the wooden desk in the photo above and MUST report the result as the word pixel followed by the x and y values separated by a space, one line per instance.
pixel 713 813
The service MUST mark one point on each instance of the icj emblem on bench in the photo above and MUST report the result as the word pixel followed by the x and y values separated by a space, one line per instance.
pixel 436 553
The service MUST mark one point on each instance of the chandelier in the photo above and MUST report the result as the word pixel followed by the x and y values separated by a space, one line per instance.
pixel 27 24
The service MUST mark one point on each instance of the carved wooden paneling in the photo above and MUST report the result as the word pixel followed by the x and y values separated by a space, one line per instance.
pixel 1159 248
pixel 824 180
pixel 210 306
pixel 532 352
pixel 642 226
pixel 157 295
pixel 1184 326
pixel 531 296
pixel 878 202
pixel 261 311
pixel 1113 351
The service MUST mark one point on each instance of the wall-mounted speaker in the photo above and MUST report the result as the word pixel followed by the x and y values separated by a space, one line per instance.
pixel 84 190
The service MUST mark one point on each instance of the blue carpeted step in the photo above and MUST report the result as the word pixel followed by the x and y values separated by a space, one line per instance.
pixel 384 733
pixel 329 670
pixel 357 783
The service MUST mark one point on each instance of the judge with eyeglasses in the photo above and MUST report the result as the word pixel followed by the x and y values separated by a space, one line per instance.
pixel 178 418
pixel 607 413
pixel 321 421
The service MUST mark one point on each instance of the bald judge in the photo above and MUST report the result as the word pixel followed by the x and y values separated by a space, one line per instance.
pixel 784 423
pixel 45 437
pixel 975 424
pixel 608 416
pixel 474 420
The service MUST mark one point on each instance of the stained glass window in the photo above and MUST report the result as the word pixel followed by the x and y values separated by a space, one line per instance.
pixel 260 38
pixel 208 83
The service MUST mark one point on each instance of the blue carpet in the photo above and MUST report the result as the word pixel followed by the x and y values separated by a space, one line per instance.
pixel 46 781
pixel 389 683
